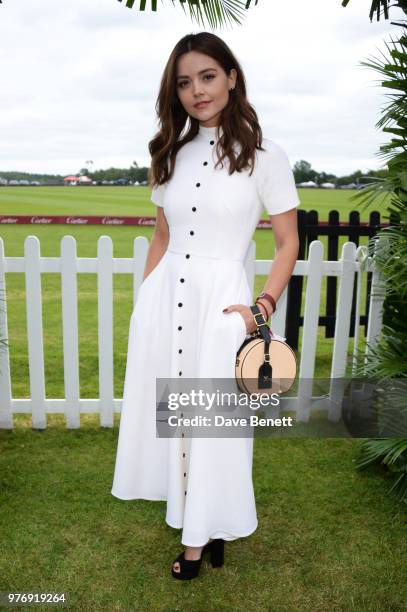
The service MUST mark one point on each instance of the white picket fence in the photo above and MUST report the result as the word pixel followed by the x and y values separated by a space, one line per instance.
pixel 69 265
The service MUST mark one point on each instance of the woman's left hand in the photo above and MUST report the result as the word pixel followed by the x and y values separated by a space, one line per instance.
pixel 247 315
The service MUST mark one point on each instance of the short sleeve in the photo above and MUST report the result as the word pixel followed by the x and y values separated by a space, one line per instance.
pixel 157 195
pixel 276 182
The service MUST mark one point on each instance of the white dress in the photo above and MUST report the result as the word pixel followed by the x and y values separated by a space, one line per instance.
pixel 176 329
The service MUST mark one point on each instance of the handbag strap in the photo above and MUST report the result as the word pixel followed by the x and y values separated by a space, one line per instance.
pixel 262 326
pixel 265 372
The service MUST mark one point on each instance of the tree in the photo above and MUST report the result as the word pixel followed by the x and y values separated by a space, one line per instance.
pixel 303 172
pixel 218 12
pixel 380 7
pixel 213 12
pixel 387 360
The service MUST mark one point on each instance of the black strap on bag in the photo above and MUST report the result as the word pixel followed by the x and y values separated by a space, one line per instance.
pixel 265 376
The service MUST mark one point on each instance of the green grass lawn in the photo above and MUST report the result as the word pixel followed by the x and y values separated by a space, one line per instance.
pixel 329 538
pixel 135 201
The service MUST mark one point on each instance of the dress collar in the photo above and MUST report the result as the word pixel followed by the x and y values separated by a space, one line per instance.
pixel 209 133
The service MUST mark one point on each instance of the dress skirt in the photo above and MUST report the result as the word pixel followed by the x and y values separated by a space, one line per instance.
pixel 178 329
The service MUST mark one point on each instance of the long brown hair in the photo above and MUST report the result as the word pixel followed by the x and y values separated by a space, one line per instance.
pixel 238 119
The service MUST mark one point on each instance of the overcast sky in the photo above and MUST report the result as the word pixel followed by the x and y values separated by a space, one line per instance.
pixel 79 80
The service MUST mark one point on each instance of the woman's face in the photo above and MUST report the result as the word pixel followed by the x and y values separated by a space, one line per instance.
pixel 199 78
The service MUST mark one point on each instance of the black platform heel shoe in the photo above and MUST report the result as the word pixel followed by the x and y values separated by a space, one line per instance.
pixel 217 552
pixel 190 568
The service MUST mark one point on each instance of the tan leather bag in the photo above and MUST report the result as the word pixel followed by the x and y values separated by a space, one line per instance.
pixel 264 364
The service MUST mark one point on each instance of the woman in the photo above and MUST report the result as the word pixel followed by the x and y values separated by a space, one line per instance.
pixel 212 175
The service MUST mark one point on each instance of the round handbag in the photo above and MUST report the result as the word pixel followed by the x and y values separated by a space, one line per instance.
pixel 264 364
